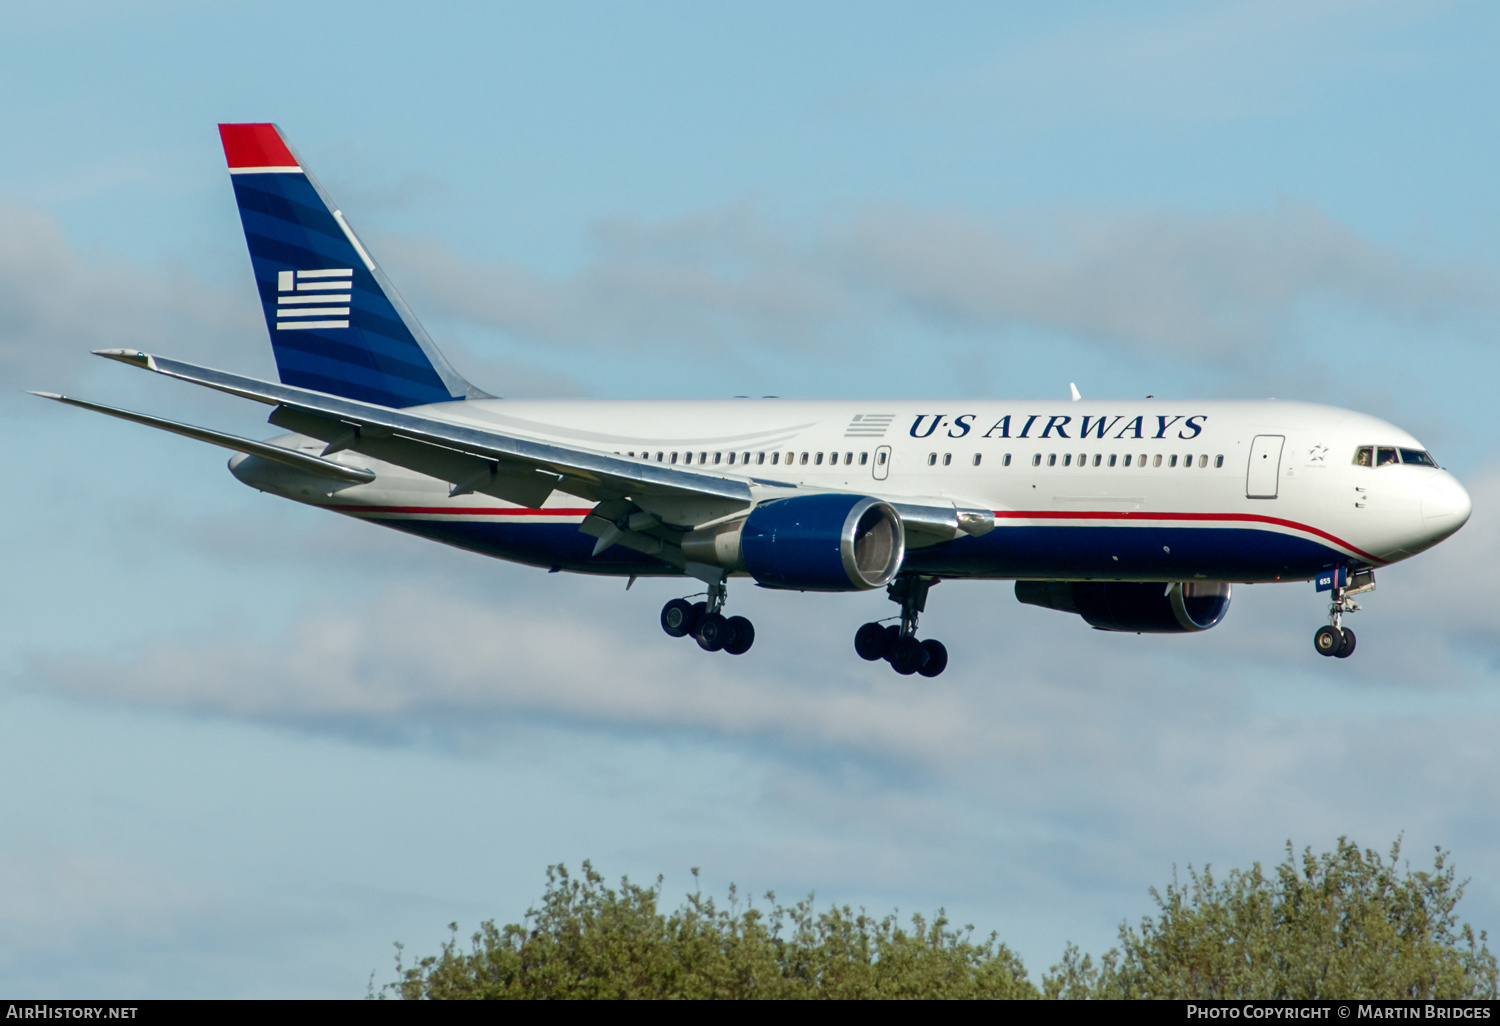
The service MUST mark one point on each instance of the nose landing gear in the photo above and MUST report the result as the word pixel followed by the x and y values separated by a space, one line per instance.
pixel 713 631
pixel 899 645
pixel 1335 639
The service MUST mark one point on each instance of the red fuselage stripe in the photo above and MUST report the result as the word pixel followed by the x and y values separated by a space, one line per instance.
pixel 1002 514
pixel 1253 518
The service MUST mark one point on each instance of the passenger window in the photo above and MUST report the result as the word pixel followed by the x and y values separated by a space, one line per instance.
pixel 947 459
pixel 1097 458
pixel 1127 459
pixel 674 458
pixel 791 457
pixel 1157 461
pixel 1364 456
pixel 976 459
pixel 1052 459
pixel 1142 461
pixel 864 458
pixel 1036 461
pixel 1005 462
pixel 880 458
pixel 1384 456
pixel 1082 459
pixel 1187 461
pixel 1067 459
pixel 1173 463
pixel 731 459
pixel 1112 458
pixel 658 457
pixel 804 459
pixel 932 459
pixel 760 458
pixel 817 459
pixel 775 458
pixel 1218 461
pixel 1202 461
pixel 703 457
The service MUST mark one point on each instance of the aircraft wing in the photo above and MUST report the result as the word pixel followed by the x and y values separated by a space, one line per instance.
pixel 472 459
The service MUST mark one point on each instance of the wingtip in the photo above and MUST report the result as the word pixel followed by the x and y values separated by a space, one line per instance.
pixel 45 395
pixel 130 356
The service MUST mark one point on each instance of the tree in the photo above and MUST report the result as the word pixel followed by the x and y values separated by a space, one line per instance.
pixel 1340 925
pixel 591 941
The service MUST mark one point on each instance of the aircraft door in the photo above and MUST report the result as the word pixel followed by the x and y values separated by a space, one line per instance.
pixel 1262 479
pixel 882 464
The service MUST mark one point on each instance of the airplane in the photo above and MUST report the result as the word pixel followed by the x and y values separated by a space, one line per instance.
pixel 1137 516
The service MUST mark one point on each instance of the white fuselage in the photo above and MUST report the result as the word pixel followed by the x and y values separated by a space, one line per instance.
pixel 1086 490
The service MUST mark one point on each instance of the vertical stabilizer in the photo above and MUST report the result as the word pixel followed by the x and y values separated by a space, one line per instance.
pixel 336 323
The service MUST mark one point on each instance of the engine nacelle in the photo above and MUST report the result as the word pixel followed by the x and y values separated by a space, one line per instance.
pixel 1176 608
pixel 809 543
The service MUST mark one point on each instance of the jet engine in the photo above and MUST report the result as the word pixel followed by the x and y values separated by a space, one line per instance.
pixel 1176 608
pixel 826 542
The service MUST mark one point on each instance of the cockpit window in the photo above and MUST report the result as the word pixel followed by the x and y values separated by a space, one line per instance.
pixel 1384 456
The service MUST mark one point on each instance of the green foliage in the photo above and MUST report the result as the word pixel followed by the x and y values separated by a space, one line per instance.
pixel 1341 925
pixel 1346 924
pixel 591 941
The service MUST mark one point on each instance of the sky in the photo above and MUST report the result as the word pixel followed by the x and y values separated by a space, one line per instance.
pixel 249 747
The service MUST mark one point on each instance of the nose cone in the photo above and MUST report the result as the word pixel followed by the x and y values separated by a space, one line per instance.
pixel 1445 505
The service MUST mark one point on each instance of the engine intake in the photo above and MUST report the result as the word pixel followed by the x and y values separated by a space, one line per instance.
pixel 826 542
pixel 1177 608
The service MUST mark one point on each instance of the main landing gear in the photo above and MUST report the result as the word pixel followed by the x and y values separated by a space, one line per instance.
pixel 1335 639
pixel 713 631
pixel 898 645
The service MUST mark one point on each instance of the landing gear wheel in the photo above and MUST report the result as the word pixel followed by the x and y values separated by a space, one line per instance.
pixel 907 656
pixel 741 635
pixel 937 658
pixel 713 631
pixel 872 642
pixel 1329 640
pixel 1348 647
pixel 678 618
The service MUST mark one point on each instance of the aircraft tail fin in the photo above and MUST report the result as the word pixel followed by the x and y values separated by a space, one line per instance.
pixel 337 325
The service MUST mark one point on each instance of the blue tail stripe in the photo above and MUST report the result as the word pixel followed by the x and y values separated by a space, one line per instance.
pixel 312 342
pixel 342 386
pixel 280 208
pixel 375 358
pixel 391 376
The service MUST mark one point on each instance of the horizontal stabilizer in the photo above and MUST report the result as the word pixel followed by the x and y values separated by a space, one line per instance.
pixel 290 457
pixel 428 445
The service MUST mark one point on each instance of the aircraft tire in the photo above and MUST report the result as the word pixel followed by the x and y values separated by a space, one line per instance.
pixel 1347 649
pixel 1328 640
pixel 907 656
pixel 871 642
pixel 937 658
pixel 713 630
pixel 741 635
pixel 678 618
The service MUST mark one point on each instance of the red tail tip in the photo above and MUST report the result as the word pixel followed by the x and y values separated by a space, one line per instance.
pixel 255 146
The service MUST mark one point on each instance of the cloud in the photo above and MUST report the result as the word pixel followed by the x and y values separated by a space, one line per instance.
pixel 57 303
pixel 1213 288
pixel 419 659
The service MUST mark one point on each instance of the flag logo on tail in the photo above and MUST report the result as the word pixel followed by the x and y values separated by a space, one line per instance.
pixel 313 299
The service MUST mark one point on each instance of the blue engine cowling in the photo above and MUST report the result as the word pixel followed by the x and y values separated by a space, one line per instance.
pixel 1175 608
pixel 823 543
